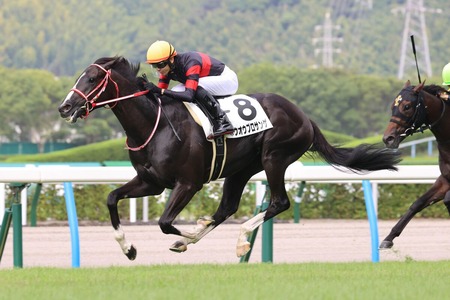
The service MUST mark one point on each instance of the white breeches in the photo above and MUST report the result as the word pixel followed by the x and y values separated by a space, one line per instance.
pixel 222 85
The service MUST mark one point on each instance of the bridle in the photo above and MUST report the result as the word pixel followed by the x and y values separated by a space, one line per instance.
pixel 418 121
pixel 100 88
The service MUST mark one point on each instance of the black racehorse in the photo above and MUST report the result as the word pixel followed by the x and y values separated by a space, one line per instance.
pixel 414 109
pixel 169 150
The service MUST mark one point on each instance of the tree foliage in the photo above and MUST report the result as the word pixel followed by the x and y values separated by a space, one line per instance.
pixel 28 101
pixel 45 45
pixel 358 105
pixel 65 36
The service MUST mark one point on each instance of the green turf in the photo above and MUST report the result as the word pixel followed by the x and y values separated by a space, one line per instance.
pixel 386 280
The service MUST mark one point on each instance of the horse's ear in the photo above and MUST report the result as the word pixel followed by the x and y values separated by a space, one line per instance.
pixel 407 83
pixel 419 87
pixel 109 64
pixel 112 62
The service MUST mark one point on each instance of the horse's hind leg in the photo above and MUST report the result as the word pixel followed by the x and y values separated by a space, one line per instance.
pixel 134 188
pixel 433 195
pixel 279 202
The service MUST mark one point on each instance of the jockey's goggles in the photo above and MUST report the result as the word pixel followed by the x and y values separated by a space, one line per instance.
pixel 160 65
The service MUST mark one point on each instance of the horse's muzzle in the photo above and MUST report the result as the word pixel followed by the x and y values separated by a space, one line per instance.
pixel 69 113
pixel 391 141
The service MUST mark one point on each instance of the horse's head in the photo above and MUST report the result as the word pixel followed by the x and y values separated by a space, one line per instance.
pixel 408 114
pixel 94 85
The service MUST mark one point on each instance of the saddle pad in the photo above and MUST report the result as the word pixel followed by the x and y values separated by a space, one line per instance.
pixel 244 112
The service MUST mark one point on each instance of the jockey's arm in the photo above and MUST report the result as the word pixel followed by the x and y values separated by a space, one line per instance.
pixel 186 95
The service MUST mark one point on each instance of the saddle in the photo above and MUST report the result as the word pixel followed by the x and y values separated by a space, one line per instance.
pixel 245 114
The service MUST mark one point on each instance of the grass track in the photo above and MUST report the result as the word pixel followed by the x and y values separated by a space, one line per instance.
pixel 387 280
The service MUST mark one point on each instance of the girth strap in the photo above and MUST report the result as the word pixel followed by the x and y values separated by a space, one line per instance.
pixel 219 157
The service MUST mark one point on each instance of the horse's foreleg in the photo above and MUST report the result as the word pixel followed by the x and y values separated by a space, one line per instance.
pixel 232 192
pixel 203 227
pixel 432 196
pixel 447 201
pixel 180 197
pixel 127 248
pixel 134 188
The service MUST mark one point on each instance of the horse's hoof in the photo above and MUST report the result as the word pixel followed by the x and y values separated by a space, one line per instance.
pixel 386 244
pixel 178 247
pixel 242 249
pixel 132 252
pixel 205 221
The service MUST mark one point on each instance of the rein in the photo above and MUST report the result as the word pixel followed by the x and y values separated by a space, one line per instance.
pixel 151 134
pixel 101 87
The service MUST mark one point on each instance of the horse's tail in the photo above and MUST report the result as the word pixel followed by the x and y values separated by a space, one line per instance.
pixel 364 157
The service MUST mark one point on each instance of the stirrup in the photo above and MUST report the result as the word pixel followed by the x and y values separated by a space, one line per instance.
pixel 221 131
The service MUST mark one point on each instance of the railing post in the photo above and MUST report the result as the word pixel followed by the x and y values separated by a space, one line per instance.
pixel 14 213
pixel 297 201
pixel 73 223
pixel 17 234
pixel 34 203
pixel 133 208
pixel 267 230
pixel 372 216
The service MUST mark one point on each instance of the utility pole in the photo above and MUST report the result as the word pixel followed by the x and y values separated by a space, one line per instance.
pixel 414 11
pixel 327 40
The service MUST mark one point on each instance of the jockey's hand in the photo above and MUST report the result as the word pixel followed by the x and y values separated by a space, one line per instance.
pixel 150 86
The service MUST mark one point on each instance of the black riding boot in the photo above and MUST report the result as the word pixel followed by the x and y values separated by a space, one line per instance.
pixel 222 124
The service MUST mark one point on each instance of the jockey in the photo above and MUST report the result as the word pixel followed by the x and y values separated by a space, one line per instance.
pixel 446 79
pixel 201 77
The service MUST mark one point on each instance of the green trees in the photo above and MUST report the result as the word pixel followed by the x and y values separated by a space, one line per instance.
pixel 357 105
pixel 339 101
pixel 268 42
pixel 65 36
pixel 28 101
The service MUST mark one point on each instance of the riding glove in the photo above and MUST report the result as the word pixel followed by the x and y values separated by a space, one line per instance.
pixel 144 84
pixel 152 88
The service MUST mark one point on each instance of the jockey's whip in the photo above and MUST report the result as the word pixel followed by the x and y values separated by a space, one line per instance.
pixel 415 56
pixel 170 123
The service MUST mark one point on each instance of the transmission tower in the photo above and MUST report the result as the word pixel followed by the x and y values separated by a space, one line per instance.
pixel 414 11
pixel 327 40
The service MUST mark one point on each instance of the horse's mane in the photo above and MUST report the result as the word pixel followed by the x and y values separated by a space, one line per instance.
pixel 122 65
pixel 433 89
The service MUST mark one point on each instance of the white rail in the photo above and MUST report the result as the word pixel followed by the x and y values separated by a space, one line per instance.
pixel 295 172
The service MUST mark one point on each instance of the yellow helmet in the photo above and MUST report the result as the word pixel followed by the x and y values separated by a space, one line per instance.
pixel 446 74
pixel 160 51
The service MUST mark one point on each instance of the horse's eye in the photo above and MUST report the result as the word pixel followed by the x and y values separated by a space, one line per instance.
pixel 91 80
pixel 407 106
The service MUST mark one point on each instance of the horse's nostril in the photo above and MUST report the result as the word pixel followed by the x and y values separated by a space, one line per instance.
pixel 388 140
pixel 64 108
